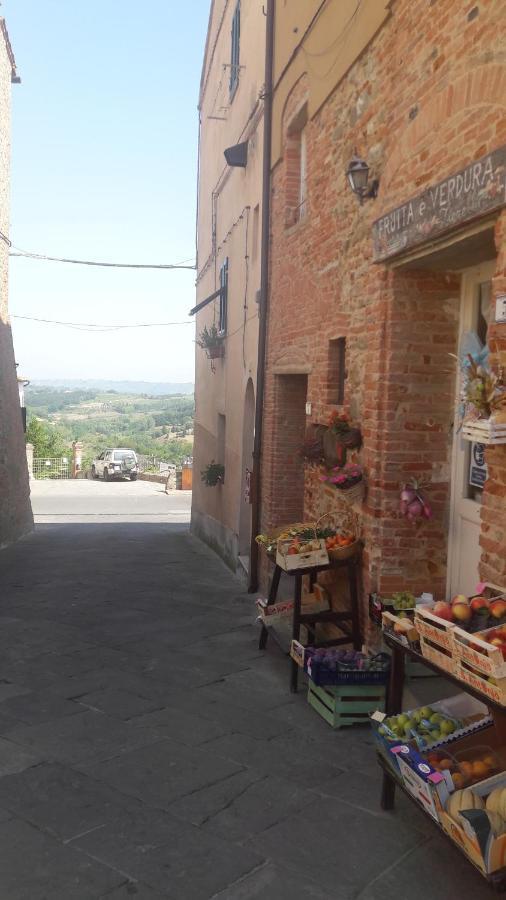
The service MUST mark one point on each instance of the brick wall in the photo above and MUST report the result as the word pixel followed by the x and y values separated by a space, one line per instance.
pixel 425 99
pixel 15 511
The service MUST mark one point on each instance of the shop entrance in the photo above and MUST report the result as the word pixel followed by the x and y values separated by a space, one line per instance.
pixel 468 472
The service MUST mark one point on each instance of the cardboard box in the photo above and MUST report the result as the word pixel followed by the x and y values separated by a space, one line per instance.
pixel 473 834
pixel 431 789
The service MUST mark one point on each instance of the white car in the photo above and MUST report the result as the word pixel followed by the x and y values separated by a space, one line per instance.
pixel 119 462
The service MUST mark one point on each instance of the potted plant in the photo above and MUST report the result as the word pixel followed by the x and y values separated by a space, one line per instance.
pixel 213 474
pixel 339 437
pixel 211 341
pixel 348 480
pixel 311 449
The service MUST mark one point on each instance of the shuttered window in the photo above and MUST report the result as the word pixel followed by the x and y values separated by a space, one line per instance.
pixel 234 55
pixel 222 325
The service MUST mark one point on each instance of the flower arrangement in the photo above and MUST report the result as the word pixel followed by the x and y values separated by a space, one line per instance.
pixel 484 391
pixel 213 474
pixel 345 434
pixel 344 477
pixel 211 341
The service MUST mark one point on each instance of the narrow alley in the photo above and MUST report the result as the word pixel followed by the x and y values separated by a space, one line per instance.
pixel 149 750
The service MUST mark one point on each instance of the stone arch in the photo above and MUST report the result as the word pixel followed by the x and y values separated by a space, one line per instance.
pixel 483 86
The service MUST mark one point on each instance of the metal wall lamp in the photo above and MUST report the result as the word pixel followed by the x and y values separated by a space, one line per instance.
pixel 357 174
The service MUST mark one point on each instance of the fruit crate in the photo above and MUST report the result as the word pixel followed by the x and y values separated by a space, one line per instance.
pixel 495 690
pixel 322 675
pixel 402 629
pixel 434 629
pixel 440 657
pixel 345 704
pixel 476 651
pixel 315 555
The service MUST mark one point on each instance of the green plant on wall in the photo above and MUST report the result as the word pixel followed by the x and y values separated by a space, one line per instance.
pixel 213 474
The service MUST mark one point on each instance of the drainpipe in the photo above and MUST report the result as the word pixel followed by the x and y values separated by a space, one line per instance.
pixel 264 294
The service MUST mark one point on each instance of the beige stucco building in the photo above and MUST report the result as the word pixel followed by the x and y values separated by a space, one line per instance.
pixel 15 511
pixel 229 235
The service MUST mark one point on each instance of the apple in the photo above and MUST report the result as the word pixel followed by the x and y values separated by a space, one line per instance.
pixel 459 598
pixel 461 612
pixel 443 610
pixel 478 603
pixel 498 609
pixel 496 641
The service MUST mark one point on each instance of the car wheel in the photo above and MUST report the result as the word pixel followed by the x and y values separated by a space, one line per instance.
pixel 106 474
pixel 133 477
pixel 94 473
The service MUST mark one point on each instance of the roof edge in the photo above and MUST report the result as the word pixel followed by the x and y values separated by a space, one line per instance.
pixel 15 79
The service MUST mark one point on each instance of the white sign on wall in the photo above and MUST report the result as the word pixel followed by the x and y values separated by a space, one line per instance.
pixel 500 308
pixel 478 472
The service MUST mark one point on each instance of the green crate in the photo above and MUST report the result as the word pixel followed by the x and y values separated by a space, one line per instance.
pixel 346 704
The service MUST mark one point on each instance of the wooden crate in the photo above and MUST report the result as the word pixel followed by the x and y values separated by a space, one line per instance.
pixel 346 704
pixel 474 650
pixel 308 560
pixel 477 680
pixel 402 630
pixel 438 656
pixel 434 629
pixel 484 431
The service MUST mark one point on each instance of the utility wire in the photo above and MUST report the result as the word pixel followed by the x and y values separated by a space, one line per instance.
pixel 103 327
pixel 28 254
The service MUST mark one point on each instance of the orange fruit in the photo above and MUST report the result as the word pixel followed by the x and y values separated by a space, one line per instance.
pixel 480 769
pixel 458 780
pixel 466 767
pixel 445 764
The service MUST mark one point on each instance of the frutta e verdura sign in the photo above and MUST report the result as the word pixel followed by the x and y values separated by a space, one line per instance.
pixel 468 194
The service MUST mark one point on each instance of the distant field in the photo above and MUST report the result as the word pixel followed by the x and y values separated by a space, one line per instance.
pixel 159 425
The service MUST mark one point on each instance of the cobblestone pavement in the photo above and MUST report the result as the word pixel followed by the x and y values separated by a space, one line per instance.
pixel 147 749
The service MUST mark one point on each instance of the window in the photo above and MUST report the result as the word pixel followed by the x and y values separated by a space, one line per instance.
pixel 234 54
pixel 336 371
pixel 302 174
pixel 222 324
pixel 296 169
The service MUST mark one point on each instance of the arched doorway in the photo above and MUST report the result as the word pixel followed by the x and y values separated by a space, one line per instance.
pixel 248 434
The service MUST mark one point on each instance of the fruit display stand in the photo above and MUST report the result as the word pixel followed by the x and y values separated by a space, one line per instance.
pixel 347 620
pixel 391 779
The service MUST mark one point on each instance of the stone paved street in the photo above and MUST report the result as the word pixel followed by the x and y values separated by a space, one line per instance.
pixel 147 749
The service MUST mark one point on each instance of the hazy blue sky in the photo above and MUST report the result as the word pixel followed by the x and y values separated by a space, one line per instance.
pixel 104 167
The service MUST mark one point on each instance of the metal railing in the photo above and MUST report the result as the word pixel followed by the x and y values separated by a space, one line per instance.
pixel 48 467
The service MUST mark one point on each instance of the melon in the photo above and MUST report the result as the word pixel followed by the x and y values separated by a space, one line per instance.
pixel 497 823
pixel 460 800
pixel 496 801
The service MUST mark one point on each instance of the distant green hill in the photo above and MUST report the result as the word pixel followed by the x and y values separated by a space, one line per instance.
pixel 153 388
pixel 159 425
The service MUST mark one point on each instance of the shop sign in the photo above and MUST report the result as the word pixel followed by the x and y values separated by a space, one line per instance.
pixel 478 472
pixel 468 194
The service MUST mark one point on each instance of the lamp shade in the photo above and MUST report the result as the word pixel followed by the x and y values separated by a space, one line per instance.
pixel 358 175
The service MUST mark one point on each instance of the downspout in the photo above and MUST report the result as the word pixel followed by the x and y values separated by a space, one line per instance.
pixel 264 293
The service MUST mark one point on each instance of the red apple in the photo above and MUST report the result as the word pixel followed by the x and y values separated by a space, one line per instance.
pixel 461 612
pixel 443 610
pixel 478 603
pixel 498 609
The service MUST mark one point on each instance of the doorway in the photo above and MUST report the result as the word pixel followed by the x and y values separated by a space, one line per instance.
pixel 468 469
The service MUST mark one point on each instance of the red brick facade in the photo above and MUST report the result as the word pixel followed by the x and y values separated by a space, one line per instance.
pixel 425 99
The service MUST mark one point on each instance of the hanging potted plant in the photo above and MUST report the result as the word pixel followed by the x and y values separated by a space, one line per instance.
pixel 211 341
pixel 347 480
pixel 339 437
pixel 213 474
pixel 311 449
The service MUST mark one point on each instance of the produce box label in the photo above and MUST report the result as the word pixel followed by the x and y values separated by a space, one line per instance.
pixel 426 785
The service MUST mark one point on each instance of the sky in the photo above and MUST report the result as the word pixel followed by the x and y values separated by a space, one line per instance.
pixel 104 163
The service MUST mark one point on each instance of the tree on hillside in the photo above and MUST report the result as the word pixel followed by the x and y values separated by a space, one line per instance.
pixel 47 440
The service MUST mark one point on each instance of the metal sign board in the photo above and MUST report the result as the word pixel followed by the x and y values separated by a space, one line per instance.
pixel 478 472
pixel 468 194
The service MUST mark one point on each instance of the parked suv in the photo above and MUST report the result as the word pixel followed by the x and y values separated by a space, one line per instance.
pixel 117 463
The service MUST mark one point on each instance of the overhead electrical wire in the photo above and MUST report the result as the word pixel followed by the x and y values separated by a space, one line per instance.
pixel 100 327
pixel 28 254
